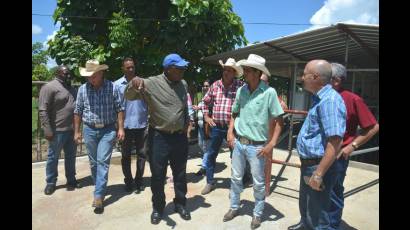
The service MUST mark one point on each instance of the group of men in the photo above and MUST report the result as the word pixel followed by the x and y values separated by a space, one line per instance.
pixel 152 115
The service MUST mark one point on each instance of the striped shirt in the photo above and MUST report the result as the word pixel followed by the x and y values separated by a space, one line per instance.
pixel 221 100
pixel 98 106
pixel 326 118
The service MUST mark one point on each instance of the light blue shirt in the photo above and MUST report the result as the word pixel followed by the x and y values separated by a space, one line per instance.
pixel 326 118
pixel 136 113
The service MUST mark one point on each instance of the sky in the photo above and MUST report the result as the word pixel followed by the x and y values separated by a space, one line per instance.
pixel 307 14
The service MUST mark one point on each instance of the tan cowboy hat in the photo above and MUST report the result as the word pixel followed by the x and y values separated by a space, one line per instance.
pixel 256 62
pixel 91 67
pixel 231 63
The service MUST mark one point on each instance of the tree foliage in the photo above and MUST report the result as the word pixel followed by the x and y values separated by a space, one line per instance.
pixel 39 70
pixel 146 30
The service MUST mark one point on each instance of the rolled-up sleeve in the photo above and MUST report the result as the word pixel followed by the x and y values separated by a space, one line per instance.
pixel 275 109
pixel 79 102
pixel 131 93
pixel 237 103
pixel 118 100
pixel 207 100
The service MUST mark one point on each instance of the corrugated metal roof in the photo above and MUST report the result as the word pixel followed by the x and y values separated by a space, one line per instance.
pixel 324 43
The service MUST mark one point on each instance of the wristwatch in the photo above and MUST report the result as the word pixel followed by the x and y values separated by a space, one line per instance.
pixel 355 145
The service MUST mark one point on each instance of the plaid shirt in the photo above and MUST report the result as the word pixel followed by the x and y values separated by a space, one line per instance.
pixel 98 106
pixel 326 118
pixel 221 100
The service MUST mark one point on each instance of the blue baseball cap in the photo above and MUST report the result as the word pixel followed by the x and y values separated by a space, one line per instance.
pixel 174 60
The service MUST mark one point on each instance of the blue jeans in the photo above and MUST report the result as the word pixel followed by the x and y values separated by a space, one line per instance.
pixel 203 144
pixel 99 143
pixel 336 195
pixel 217 137
pixel 61 140
pixel 315 205
pixel 241 154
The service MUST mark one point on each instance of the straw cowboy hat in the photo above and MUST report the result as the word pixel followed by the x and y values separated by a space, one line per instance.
pixel 231 63
pixel 91 67
pixel 256 62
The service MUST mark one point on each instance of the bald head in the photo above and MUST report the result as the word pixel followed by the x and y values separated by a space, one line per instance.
pixel 321 68
pixel 63 73
pixel 60 69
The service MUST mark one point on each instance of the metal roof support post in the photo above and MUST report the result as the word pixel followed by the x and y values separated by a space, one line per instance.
pixel 353 81
pixel 292 106
pixel 347 50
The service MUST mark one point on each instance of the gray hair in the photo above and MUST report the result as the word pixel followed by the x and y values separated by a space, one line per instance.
pixel 338 70
pixel 324 69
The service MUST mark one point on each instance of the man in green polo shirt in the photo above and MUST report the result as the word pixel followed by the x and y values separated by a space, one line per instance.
pixel 256 104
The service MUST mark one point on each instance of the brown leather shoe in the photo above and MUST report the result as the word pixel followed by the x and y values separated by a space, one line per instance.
pixel 230 214
pixel 208 188
pixel 256 222
pixel 98 205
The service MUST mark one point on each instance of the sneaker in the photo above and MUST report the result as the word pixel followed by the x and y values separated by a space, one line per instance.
pixel 208 188
pixel 230 215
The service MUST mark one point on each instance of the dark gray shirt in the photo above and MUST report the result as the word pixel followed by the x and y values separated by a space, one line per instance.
pixel 166 100
pixel 56 106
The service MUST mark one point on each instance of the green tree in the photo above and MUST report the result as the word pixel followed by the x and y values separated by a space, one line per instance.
pixel 39 71
pixel 146 30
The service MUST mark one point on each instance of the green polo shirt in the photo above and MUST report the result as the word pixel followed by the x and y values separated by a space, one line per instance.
pixel 255 110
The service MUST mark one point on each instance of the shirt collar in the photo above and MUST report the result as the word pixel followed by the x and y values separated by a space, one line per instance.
pixel 323 91
pixel 261 86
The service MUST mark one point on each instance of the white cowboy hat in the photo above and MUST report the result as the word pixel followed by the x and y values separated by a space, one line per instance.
pixel 231 63
pixel 91 67
pixel 256 62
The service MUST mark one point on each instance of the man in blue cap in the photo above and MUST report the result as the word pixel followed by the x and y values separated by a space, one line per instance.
pixel 166 98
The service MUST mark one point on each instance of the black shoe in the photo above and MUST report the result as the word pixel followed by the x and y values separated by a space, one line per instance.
pixel 298 226
pixel 139 188
pixel 156 217
pixel 200 172
pixel 73 185
pixel 50 188
pixel 182 212
pixel 99 210
pixel 128 187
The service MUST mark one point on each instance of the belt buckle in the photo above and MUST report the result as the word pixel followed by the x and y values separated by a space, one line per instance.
pixel 244 141
pixel 98 126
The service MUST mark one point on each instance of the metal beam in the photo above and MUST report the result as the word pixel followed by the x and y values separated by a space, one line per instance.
pixel 285 51
pixel 362 70
pixel 343 28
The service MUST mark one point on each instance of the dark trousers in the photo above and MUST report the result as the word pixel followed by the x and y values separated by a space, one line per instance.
pixel 314 206
pixel 164 148
pixel 133 138
pixel 336 195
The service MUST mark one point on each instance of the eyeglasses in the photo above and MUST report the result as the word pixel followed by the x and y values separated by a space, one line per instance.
pixel 205 86
pixel 305 74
